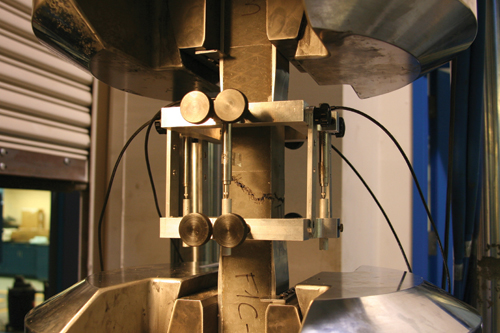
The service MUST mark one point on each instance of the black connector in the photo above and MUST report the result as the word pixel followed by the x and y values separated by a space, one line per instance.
pixel 322 115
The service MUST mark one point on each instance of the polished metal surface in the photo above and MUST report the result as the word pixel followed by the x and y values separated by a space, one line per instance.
pixel 165 49
pixel 184 298
pixel 230 105
pixel 196 107
pixel 195 229
pixel 230 230
pixel 381 300
pixel 327 228
pixel 227 165
pixel 296 229
pixel 289 113
pixel 488 248
pixel 137 299
pixel 390 43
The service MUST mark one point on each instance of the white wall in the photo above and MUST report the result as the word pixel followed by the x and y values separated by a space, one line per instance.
pixel 304 258
pixel 367 239
pixel 132 225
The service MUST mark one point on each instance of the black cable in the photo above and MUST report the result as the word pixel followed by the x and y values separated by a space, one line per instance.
pixel 108 191
pixel 150 174
pixel 148 165
pixel 379 206
pixel 410 167
pixel 110 184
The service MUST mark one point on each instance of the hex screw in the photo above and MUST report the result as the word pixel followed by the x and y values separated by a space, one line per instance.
pixel 67 161
pixel 3 152
pixel 3 166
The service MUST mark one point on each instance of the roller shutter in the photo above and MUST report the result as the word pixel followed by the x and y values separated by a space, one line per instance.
pixel 45 105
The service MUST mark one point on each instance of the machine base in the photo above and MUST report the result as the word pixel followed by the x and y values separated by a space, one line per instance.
pixel 164 298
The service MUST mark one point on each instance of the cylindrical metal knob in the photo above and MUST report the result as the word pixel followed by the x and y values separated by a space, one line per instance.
pixel 195 229
pixel 196 107
pixel 230 105
pixel 230 230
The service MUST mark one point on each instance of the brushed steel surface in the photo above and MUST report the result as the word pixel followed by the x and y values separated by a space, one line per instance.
pixel 230 105
pixel 230 230
pixel 196 107
pixel 282 318
pixel 259 114
pixel 378 46
pixel 195 313
pixel 260 229
pixel 383 300
pixel 136 299
pixel 165 49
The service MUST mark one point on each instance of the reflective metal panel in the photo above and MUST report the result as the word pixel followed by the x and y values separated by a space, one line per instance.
pixel 136 299
pixel 383 300
pixel 378 46
pixel 164 49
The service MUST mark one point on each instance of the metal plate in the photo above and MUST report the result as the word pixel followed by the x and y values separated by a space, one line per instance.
pixel 378 46
pixel 382 300
pixel 136 299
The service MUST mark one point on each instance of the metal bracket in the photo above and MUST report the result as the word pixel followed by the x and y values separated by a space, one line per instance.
pixel 333 127
pixel 298 229
pixel 327 228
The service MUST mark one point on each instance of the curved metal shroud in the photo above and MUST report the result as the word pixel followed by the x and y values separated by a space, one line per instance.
pixel 164 49
pixel 381 300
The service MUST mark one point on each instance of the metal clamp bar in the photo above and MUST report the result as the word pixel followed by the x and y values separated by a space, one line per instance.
pixel 260 229
pixel 298 229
